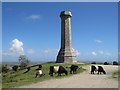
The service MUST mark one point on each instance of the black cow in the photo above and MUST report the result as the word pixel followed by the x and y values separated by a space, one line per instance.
pixel 93 68
pixel 106 63
pixel 39 67
pixel 57 69
pixel 100 69
pixel 73 69
pixel 115 63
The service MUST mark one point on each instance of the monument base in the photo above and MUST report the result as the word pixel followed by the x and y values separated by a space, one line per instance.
pixel 66 59
pixel 66 56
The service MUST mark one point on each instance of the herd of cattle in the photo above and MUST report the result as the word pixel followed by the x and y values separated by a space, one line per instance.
pixel 73 69
pixel 58 69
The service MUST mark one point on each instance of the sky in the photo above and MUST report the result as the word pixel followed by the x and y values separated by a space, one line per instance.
pixel 34 29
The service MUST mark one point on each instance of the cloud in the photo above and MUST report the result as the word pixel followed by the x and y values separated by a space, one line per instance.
pixel 94 53
pixel 17 47
pixel 104 53
pixel 107 53
pixel 76 52
pixel 100 53
pixel 98 41
pixel 34 17
pixel 50 50
pixel 31 51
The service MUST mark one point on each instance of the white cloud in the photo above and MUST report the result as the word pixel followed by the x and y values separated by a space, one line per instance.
pixel 17 47
pixel 98 41
pixel 50 50
pixel 100 53
pixel 76 52
pixel 31 51
pixel 34 16
pixel 104 53
pixel 94 53
pixel 107 53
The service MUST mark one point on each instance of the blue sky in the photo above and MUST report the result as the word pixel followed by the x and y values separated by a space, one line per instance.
pixel 34 29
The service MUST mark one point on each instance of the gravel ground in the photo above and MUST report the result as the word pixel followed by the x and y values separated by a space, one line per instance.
pixel 82 80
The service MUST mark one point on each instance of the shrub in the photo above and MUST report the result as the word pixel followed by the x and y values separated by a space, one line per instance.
pixel 5 68
pixel 23 65
pixel 15 67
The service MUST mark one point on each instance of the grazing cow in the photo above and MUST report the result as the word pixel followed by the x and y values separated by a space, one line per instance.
pixel 57 69
pixel 39 73
pixel 93 63
pixel 73 69
pixel 115 63
pixel 93 68
pixel 39 67
pixel 100 69
pixel 106 63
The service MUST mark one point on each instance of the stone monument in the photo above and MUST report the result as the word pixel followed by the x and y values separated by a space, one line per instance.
pixel 66 53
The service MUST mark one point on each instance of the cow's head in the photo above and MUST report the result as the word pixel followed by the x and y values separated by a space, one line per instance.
pixel 104 72
pixel 66 72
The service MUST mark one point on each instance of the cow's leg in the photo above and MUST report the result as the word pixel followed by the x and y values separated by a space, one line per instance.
pixel 75 70
pixel 51 74
pixel 92 72
pixel 70 71
pixel 58 74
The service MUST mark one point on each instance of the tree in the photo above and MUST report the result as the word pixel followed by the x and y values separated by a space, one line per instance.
pixel 24 62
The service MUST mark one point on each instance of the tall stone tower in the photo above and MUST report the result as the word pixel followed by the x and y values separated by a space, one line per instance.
pixel 66 53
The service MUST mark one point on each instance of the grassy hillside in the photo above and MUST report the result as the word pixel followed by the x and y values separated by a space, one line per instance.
pixel 15 79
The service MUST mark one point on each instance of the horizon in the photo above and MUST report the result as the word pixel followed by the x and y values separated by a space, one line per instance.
pixel 34 29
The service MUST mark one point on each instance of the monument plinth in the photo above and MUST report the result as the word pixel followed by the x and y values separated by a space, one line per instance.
pixel 66 53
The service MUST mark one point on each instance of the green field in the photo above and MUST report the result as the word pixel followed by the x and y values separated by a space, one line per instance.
pixel 15 79
pixel 116 75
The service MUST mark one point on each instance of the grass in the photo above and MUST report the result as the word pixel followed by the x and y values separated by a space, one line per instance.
pixel 15 79
pixel 116 75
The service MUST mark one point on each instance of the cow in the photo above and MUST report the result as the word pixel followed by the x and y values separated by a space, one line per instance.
pixel 115 63
pixel 73 69
pixel 100 69
pixel 39 67
pixel 106 63
pixel 93 68
pixel 39 73
pixel 57 69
